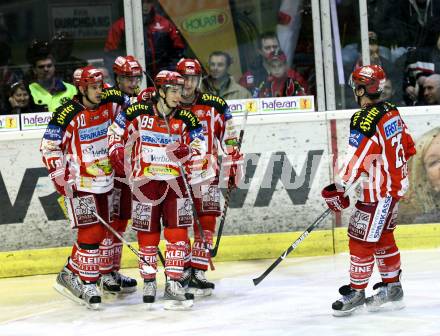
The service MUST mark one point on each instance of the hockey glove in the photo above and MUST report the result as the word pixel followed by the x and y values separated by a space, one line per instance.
pixel 117 160
pixel 63 187
pixel 334 197
pixel 233 165
pixel 178 152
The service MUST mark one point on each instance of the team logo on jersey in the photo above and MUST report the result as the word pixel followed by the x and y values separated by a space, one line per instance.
pixel 184 212
pixel 392 127
pixel 355 138
pixel 358 225
pixel 53 133
pixel 141 215
pixel 84 210
pixel 210 198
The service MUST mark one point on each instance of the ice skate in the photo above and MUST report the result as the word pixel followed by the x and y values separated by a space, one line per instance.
pixel 186 277
pixel 91 295
pixel 69 285
pixel 175 296
pixel 199 285
pixel 108 284
pixel 127 284
pixel 387 295
pixel 149 292
pixel 350 301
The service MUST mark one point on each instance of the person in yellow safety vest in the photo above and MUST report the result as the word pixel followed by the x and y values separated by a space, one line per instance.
pixel 47 91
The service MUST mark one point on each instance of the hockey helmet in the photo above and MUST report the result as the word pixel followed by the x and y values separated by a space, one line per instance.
pixel 167 78
pixel 189 67
pixel 371 77
pixel 86 76
pixel 127 66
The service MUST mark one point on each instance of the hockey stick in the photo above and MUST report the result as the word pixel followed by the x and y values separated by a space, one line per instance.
pixel 148 268
pixel 300 238
pixel 228 194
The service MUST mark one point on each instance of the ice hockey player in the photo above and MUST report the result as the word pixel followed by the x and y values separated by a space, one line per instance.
pixel 75 152
pixel 379 147
pixel 219 132
pixel 128 75
pixel 162 137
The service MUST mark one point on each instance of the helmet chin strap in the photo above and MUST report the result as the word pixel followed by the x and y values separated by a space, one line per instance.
pixel 163 101
pixel 85 95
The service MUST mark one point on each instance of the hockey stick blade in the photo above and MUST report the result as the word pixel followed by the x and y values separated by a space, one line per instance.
pixel 302 237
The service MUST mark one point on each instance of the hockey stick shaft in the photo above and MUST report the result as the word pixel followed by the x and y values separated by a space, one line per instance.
pixel 115 233
pixel 300 239
pixel 226 207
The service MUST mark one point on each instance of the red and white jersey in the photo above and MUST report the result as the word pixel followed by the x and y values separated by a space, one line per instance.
pixel 379 146
pixel 76 141
pixel 218 129
pixel 147 133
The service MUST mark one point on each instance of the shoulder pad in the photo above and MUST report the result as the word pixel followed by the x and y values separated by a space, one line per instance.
pixel 189 118
pixel 365 120
pixel 215 101
pixel 64 114
pixel 137 109
pixel 112 95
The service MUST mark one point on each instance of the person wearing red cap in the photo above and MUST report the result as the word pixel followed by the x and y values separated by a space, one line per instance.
pixel 281 81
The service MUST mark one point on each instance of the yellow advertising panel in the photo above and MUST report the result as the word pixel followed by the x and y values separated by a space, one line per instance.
pixel 207 26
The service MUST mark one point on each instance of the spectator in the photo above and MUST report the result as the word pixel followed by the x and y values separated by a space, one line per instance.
pixel 431 90
pixel 259 70
pixel 62 47
pixel 163 43
pixel 282 81
pixel 409 23
pixel 375 56
pixel 19 100
pixel 219 82
pixel 422 203
pixel 9 74
pixel 46 89
pixel 389 93
pixel 420 63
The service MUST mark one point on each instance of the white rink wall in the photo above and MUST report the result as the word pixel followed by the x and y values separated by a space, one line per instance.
pixel 287 164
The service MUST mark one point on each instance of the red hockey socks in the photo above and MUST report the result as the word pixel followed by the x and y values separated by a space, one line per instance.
pixel 200 256
pixel 175 252
pixel 388 258
pixel 361 263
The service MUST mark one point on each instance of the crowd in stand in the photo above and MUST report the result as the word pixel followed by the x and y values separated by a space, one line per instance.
pixel 409 54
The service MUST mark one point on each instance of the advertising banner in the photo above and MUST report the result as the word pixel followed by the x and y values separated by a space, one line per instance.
pixel 36 120
pixel 207 26
pixel 272 105
pixel 9 122
pixel 83 22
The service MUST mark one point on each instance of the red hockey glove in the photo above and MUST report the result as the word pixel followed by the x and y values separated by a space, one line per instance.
pixel 146 95
pixel 117 160
pixel 63 187
pixel 178 152
pixel 233 165
pixel 334 197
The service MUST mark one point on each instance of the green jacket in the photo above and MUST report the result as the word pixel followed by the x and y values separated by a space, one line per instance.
pixel 50 102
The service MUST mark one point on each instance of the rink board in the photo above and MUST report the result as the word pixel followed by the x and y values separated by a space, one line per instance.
pixel 232 248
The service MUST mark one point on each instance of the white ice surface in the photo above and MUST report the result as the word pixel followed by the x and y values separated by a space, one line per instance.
pixel 294 300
